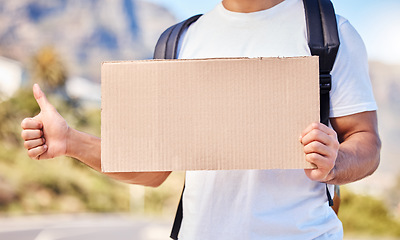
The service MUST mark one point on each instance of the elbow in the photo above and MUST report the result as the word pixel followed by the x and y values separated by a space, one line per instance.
pixel 375 166
pixel 377 156
pixel 154 184
pixel 149 179
pixel 158 180
pixel 150 183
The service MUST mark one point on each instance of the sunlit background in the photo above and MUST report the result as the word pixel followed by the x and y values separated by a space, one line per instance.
pixel 61 44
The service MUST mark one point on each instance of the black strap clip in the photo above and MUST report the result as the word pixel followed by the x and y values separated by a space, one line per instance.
pixel 325 82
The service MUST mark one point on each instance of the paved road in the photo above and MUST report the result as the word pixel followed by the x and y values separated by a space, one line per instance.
pixel 83 227
pixel 92 227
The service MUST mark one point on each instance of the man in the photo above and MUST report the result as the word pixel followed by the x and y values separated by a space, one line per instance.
pixel 254 204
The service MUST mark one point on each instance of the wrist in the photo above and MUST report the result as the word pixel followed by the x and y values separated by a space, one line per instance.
pixel 331 176
pixel 68 142
pixel 84 147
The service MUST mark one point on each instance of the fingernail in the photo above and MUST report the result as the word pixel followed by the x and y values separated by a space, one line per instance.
pixel 45 147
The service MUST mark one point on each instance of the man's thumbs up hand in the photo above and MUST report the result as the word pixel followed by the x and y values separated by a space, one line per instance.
pixel 45 135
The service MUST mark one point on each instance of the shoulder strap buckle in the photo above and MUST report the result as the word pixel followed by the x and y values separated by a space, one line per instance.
pixel 325 83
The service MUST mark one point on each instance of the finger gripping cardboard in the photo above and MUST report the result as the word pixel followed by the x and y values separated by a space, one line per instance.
pixel 208 114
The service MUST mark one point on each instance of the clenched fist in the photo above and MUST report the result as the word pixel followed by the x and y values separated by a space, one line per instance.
pixel 321 147
pixel 45 135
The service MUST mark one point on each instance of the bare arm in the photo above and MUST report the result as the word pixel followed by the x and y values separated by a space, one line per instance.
pixel 359 152
pixel 47 135
pixel 345 155
pixel 86 148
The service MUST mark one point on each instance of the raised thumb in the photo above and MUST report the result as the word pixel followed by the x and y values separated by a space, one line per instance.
pixel 41 98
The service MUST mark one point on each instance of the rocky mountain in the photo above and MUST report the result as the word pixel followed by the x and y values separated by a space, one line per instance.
pixel 83 32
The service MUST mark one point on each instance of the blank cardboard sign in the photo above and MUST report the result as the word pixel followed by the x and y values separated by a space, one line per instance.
pixel 209 114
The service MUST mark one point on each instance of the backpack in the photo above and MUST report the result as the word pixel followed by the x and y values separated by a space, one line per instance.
pixel 323 41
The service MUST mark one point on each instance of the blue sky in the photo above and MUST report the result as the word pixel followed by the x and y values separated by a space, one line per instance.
pixel 377 21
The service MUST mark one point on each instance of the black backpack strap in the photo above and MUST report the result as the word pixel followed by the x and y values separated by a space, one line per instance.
pixel 178 219
pixel 323 40
pixel 166 48
pixel 167 44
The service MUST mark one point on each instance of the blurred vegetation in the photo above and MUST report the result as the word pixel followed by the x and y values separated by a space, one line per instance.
pixel 366 215
pixel 47 68
pixel 59 185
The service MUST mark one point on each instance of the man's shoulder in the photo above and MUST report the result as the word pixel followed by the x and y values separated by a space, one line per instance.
pixel 343 23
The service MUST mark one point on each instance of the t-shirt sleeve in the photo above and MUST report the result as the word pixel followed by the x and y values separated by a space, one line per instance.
pixel 351 86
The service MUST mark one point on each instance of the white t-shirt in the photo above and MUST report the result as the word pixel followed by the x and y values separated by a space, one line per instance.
pixel 268 204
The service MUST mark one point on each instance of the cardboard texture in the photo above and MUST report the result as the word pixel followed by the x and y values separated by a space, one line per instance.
pixel 210 114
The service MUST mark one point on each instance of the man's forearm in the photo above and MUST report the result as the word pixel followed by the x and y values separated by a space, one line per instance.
pixel 84 147
pixel 87 149
pixel 358 156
